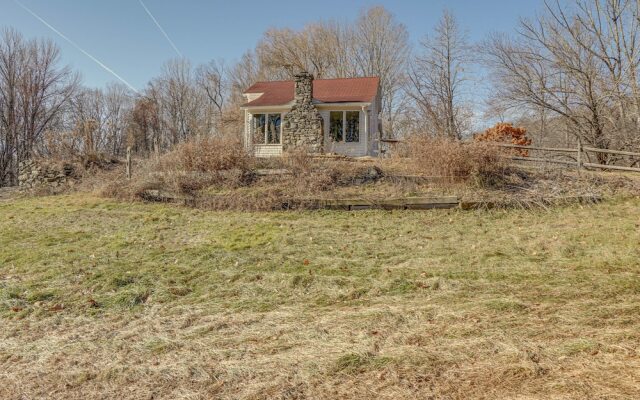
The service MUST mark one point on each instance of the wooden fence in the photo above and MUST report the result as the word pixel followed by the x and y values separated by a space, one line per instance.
pixel 576 154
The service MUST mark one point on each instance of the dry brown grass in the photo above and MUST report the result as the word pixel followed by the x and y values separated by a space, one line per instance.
pixel 452 160
pixel 221 174
pixel 211 154
pixel 191 166
pixel 108 300
pixel 218 174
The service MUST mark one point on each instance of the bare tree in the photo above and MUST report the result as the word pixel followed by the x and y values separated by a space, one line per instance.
pixel 212 79
pixel 293 51
pixel 118 101
pixel 144 126
pixel 87 114
pixel 188 103
pixel 96 119
pixel 579 63
pixel 610 31
pixel 177 102
pixel 243 74
pixel 381 48
pixel 436 79
pixel 33 92
pixel 376 44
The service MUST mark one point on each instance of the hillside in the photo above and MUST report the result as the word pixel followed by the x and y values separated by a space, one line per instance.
pixel 119 300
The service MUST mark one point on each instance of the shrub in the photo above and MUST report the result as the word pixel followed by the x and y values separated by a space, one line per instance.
pixel 506 133
pixel 311 174
pixel 190 166
pixel 220 160
pixel 212 154
pixel 298 161
pixel 453 160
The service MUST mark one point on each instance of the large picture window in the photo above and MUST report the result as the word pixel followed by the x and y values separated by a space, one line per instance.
pixel 267 128
pixel 344 126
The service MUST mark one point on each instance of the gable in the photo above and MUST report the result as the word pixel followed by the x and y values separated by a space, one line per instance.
pixel 341 90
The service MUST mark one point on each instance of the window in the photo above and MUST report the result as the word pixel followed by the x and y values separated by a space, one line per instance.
pixel 259 122
pixel 267 128
pixel 352 125
pixel 344 126
pixel 273 128
pixel 335 125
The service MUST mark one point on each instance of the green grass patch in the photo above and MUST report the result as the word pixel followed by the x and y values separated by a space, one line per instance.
pixel 356 363
pixel 178 297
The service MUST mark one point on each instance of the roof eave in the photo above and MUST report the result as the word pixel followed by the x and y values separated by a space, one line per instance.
pixel 344 103
pixel 271 106
pixel 316 103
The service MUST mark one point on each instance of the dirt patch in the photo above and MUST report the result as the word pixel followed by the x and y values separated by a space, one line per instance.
pixel 8 193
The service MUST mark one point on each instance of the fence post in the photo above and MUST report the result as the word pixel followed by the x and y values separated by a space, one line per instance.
pixel 579 158
pixel 128 162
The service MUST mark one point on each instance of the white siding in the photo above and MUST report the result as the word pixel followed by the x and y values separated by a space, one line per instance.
pixel 267 150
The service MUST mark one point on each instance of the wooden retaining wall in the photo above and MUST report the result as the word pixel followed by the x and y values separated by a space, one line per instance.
pixel 406 203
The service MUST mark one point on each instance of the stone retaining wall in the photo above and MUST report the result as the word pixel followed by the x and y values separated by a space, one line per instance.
pixel 38 174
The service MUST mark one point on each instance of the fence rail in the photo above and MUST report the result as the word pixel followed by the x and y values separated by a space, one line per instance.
pixel 577 155
pixel 516 146
pixel 625 153
pixel 548 160
pixel 579 163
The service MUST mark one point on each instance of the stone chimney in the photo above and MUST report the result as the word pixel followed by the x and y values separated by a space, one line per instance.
pixel 304 87
pixel 302 125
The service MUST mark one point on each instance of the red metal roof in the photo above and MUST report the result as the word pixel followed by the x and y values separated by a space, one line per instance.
pixel 342 90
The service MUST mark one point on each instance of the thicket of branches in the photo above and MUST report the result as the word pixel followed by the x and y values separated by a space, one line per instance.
pixel 569 74
pixel 34 93
pixel 576 68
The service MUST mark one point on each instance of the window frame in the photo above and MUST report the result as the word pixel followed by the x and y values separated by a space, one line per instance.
pixel 344 127
pixel 265 130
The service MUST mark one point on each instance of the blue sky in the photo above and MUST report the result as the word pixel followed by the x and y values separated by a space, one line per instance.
pixel 121 34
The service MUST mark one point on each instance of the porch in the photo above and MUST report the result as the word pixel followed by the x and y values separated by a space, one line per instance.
pixel 346 130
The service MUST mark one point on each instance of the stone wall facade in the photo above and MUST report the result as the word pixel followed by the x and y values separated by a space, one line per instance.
pixel 302 125
pixel 37 174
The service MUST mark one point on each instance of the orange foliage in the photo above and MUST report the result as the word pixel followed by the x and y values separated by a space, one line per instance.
pixel 506 133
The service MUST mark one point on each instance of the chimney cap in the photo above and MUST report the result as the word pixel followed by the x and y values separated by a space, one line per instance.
pixel 302 74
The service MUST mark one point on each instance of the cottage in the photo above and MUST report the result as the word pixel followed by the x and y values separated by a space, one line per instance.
pixel 322 116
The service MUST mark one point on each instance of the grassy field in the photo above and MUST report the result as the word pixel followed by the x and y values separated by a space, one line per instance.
pixel 100 299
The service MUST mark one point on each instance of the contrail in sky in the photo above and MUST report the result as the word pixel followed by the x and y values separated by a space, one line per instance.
pixel 160 27
pixel 109 70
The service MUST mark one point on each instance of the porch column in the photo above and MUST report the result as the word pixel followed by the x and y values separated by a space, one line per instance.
pixel 366 128
pixel 248 130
